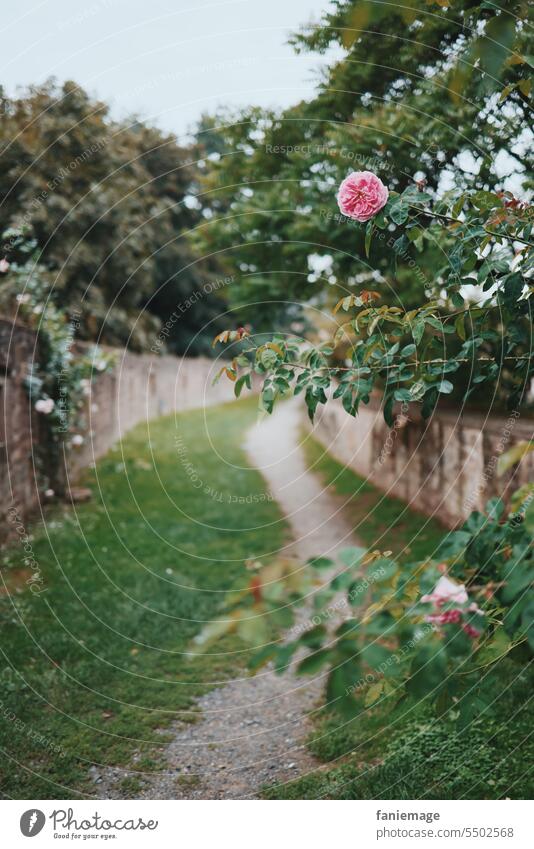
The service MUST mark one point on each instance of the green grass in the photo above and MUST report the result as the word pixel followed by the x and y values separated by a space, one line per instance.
pixel 387 754
pixel 380 521
pixel 383 754
pixel 95 664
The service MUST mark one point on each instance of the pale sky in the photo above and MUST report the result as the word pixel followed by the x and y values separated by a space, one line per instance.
pixel 167 60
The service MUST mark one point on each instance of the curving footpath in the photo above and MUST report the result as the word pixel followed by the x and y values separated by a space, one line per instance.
pixel 252 730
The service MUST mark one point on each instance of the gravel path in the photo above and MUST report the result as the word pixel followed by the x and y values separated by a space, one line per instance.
pixel 253 729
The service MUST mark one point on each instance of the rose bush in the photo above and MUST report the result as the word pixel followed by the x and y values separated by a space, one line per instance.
pixel 61 373
pixel 411 355
pixel 432 630
pixel 400 632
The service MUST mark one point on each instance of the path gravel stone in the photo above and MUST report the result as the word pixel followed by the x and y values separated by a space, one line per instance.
pixel 252 730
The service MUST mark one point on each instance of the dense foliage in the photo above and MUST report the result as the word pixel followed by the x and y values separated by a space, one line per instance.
pixel 108 205
pixel 413 355
pixel 445 124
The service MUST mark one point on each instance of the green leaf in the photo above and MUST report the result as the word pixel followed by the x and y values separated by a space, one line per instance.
pixel 445 387
pixel 253 630
pixel 458 206
pixel 261 657
pixel 417 390
pixel 428 672
pixel 340 683
pixel 418 329
pixel 429 402
pixel 459 326
pixel 313 662
pixel 399 213
pixel 375 655
pixel 514 455
pixel 402 395
pixel 519 576
pixel 321 563
pixel 283 656
pixel 242 381
pixel 388 411
pixel 313 638
pixel 352 556
pixel 513 288
pixel 494 46
pixel 368 236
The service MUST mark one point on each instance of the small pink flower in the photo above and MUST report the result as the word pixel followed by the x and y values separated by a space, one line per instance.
pixel 4 265
pixel 362 195
pixel 446 590
pixel 448 617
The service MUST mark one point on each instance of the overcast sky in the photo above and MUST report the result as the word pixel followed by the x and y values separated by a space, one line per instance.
pixel 168 60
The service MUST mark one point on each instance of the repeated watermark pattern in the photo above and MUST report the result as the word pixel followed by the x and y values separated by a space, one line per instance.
pixel 394 659
pixel 24 221
pixel 198 483
pixel 333 610
pixel 183 307
pixel 490 468
pixel 62 405
pixel 36 581
pixel 35 736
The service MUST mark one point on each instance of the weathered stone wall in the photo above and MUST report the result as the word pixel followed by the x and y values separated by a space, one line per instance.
pixel 445 467
pixel 19 426
pixel 139 387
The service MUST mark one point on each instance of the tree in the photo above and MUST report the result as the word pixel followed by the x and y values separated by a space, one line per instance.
pixel 106 203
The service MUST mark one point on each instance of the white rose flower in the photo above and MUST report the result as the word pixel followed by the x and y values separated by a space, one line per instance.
pixel 44 405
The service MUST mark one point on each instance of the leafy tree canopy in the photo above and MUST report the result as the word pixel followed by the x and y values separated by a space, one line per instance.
pixel 108 205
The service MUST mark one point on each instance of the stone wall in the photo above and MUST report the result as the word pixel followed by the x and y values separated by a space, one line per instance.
pixel 444 467
pixel 141 386
pixel 19 426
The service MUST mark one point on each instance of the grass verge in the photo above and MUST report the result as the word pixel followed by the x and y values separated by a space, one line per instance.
pixel 94 665
pixel 380 521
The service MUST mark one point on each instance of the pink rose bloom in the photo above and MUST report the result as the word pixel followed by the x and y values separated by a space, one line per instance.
pixel 446 590
pixel 362 195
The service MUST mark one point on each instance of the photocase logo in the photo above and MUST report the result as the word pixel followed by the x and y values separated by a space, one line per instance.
pixel 32 822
